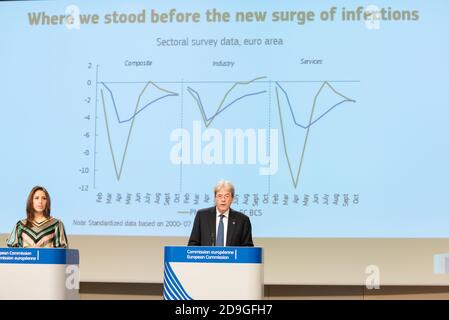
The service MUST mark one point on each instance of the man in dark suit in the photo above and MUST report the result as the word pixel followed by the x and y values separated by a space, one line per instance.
pixel 221 225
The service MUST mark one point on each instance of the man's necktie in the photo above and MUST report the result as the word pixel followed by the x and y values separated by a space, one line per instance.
pixel 220 233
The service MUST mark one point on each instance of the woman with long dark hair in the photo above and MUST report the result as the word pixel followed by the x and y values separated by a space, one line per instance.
pixel 39 229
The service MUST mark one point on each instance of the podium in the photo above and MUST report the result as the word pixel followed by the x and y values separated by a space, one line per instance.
pixel 39 274
pixel 213 273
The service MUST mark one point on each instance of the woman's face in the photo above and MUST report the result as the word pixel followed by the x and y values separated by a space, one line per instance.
pixel 39 201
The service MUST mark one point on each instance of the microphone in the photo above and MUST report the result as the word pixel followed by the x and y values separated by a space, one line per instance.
pixel 212 238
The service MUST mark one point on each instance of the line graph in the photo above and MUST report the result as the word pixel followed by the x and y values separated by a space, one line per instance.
pixel 169 94
pixel 207 121
pixel 311 122
pixel 319 138
pixel 325 83
pixel 230 98
pixel 119 160
pixel 119 168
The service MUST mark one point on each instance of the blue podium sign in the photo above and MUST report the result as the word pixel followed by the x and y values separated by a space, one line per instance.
pixel 213 254
pixel 39 256
pixel 213 273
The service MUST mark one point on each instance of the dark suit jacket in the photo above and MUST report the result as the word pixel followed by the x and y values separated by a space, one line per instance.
pixel 203 231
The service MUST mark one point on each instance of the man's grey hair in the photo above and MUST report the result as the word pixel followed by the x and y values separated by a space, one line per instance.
pixel 224 184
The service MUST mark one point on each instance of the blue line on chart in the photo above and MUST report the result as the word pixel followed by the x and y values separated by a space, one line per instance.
pixel 140 110
pixel 198 100
pixel 313 122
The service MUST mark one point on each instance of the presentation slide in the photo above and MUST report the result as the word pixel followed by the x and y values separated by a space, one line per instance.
pixel 330 118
